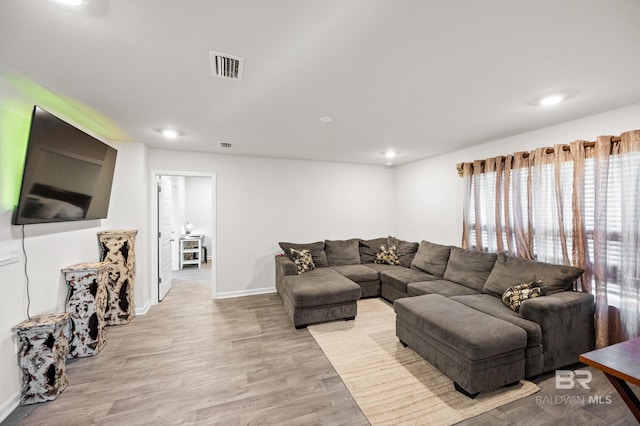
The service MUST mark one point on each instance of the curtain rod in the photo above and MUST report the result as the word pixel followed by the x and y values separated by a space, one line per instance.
pixel 587 144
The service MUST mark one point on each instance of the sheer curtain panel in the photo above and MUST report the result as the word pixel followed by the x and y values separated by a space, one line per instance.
pixel 575 204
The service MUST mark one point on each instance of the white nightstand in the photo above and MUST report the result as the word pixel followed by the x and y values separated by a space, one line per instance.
pixel 191 250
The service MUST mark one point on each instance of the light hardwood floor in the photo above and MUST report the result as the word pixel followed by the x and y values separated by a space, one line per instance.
pixel 196 361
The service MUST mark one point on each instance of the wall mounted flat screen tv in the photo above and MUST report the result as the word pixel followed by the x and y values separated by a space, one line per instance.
pixel 67 173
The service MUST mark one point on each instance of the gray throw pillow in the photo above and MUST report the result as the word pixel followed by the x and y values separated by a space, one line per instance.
pixel 512 269
pixel 431 258
pixel 470 268
pixel 316 249
pixel 342 252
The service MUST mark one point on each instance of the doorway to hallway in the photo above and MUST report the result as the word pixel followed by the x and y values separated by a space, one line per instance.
pixel 183 211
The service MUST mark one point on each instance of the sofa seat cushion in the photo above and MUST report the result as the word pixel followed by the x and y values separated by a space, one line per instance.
pixel 469 268
pixel 322 286
pixel 431 258
pixel 442 287
pixel 357 273
pixel 381 267
pixel 399 277
pixel 511 270
pixel 493 306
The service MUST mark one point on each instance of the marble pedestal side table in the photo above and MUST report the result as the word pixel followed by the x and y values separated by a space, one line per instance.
pixel 117 248
pixel 43 356
pixel 87 302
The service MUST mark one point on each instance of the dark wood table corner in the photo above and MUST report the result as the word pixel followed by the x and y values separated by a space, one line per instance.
pixel 621 365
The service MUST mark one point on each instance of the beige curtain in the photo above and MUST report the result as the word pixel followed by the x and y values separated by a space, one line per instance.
pixel 580 248
pixel 496 211
pixel 629 148
pixel 576 204
pixel 617 290
pixel 522 209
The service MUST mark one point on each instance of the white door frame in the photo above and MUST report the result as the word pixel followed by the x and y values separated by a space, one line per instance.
pixel 153 229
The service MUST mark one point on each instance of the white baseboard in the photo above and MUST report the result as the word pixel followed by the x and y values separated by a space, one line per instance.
pixel 142 310
pixel 241 293
pixel 8 406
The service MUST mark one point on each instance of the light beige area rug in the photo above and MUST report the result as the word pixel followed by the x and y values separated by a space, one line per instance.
pixel 392 384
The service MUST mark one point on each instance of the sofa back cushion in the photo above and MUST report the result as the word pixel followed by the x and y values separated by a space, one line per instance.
pixel 317 251
pixel 470 268
pixel 342 252
pixel 431 258
pixel 511 270
pixel 369 248
pixel 404 249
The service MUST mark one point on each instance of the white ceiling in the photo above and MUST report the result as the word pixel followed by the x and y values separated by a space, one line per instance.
pixel 421 77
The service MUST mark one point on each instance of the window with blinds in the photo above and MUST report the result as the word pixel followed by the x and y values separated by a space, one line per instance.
pixel 603 217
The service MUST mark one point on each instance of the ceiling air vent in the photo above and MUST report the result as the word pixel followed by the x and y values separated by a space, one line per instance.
pixel 225 145
pixel 226 66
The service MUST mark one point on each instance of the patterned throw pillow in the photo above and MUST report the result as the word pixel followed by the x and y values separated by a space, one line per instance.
pixel 515 295
pixel 387 255
pixel 303 260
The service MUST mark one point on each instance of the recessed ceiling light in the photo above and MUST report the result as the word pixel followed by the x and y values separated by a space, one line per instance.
pixel 326 119
pixel 551 100
pixel 71 2
pixel 170 133
pixel 551 97
pixel 390 154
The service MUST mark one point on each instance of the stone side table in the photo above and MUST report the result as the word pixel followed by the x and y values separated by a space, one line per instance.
pixel 117 248
pixel 87 302
pixel 42 357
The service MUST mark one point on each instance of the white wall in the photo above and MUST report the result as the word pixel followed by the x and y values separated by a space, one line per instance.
pixel 198 207
pixel 179 195
pixel 263 201
pixel 429 192
pixel 129 209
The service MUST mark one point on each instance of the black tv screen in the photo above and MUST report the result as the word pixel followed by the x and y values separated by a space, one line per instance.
pixel 67 173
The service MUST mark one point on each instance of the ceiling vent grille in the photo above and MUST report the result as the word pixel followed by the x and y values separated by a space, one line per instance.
pixel 226 145
pixel 226 66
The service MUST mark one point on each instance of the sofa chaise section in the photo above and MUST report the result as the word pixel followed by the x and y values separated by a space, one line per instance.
pixel 318 296
pixel 478 352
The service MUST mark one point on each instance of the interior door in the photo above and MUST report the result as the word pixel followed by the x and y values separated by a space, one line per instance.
pixel 165 236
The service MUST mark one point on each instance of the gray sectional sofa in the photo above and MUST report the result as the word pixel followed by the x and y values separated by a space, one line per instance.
pixel 448 304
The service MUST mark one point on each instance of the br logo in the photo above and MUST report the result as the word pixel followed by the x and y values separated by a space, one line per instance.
pixel 567 379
